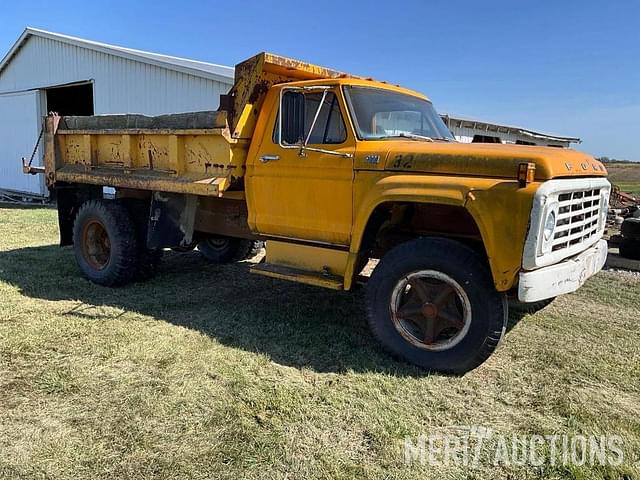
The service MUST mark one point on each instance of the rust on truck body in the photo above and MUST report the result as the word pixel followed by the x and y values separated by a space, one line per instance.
pixel 255 76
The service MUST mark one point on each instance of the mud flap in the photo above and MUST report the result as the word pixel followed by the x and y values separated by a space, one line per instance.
pixel 69 199
pixel 171 220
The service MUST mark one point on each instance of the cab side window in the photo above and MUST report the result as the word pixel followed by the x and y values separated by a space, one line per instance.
pixel 329 127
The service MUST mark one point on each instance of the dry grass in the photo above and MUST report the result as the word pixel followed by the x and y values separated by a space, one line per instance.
pixel 210 372
pixel 626 175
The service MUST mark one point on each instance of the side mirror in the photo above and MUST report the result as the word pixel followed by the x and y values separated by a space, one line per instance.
pixel 292 118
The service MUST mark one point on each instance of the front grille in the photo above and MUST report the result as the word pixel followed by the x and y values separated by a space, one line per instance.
pixel 578 218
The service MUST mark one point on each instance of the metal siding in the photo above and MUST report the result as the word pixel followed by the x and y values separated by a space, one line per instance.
pixel 465 135
pixel 120 86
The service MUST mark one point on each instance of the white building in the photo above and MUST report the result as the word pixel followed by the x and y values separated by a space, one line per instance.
pixel 468 130
pixel 45 72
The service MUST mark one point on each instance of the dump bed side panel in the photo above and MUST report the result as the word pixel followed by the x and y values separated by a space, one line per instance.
pixel 186 153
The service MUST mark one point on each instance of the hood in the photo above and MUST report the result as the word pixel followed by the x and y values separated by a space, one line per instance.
pixel 475 159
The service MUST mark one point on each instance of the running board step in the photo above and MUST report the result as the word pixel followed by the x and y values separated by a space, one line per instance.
pixel 301 276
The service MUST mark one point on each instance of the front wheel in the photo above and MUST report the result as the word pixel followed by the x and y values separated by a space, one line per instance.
pixel 432 302
pixel 529 308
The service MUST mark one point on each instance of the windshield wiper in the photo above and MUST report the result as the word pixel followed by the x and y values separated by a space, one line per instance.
pixel 417 137
pixel 409 135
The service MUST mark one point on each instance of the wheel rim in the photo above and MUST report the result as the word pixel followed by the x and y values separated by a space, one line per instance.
pixel 218 243
pixel 96 246
pixel 430 310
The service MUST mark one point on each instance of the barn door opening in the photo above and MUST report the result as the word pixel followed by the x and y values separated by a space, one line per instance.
pixel 71 100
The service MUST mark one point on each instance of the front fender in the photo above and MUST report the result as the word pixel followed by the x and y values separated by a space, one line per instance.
pixel 499 207
pixel 502 213
pixel 375 188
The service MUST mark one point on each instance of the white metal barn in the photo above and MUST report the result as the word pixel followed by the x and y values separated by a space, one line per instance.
pixel 468 130
pixel 45 72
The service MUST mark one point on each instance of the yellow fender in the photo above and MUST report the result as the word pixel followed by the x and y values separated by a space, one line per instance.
pixel 499 207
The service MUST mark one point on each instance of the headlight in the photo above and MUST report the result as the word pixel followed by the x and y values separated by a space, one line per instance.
pixel 549 226
pixel 604 208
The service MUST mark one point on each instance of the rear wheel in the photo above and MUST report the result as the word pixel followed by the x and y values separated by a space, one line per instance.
pixel 105 243
pixel 228 249
pixel 433 303
pixel 630 248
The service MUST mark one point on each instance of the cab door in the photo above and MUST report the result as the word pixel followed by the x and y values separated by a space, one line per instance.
pixel 305 192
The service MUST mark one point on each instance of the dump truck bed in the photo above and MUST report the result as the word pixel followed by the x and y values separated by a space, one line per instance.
pixel 185 153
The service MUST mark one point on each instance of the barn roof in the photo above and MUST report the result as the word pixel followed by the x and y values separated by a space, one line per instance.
pixel 501 127
pixel 193 67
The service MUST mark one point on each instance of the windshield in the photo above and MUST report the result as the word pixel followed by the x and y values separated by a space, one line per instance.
pixel 382 114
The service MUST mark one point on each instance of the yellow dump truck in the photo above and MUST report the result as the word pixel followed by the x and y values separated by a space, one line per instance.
pixel 330 171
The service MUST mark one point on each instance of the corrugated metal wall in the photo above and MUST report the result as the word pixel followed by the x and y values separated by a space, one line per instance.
pixel 465 134
pixel 120 86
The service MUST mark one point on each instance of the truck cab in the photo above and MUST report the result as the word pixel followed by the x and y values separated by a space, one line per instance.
pixel 348 153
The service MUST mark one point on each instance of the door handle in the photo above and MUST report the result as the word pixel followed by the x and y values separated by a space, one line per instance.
pixel 269 158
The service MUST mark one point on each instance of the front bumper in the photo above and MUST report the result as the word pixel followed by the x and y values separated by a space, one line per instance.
pixel 564 277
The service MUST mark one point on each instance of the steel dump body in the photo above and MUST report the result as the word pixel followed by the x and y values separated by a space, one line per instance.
pixel 186 153
pixel 200 153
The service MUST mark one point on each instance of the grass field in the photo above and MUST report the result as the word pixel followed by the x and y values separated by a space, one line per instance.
pixel 210 372
pixel 626 175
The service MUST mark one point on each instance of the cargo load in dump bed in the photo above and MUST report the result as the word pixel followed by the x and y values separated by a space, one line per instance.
pixel 201 153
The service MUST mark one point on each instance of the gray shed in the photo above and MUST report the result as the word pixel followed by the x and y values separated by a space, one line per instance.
pixel 468 130
pixel 46 71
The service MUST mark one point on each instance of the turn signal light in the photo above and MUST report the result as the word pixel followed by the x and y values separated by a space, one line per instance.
pixel 526 174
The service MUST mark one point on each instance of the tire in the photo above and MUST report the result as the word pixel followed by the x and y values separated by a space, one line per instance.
pixel 529 308
pixel 630 248
pixel 228 249
pixel 428 268
pixel 631 228
pixel 249 249
pixel 106 243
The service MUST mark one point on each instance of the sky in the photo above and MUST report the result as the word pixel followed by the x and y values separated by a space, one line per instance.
pixel 565 67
